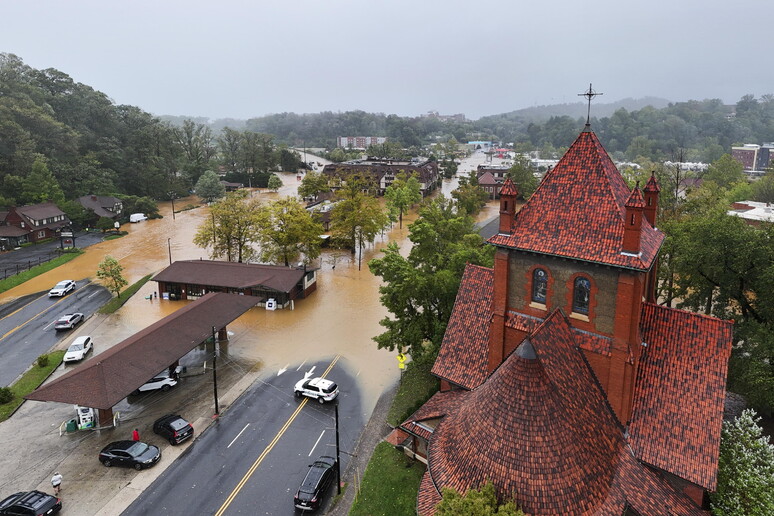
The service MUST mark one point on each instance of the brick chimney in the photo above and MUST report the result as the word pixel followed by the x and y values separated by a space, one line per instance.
pixel 651 199
pixel 508 194
pixel 633 221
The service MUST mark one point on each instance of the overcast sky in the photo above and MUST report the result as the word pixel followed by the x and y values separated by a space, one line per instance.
pixel 248 58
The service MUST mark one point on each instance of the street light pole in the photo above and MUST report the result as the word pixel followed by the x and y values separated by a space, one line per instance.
pixel 169 249
pixel 172 198
pixel 214 375
pixel 338 459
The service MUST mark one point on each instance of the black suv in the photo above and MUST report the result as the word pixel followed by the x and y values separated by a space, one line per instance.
pixel 173 428
pixel 32 503
pixel 316 482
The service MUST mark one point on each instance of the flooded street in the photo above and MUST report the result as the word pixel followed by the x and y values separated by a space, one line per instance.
pixel 339 318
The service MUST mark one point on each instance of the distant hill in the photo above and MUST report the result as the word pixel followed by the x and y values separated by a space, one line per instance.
pixel 578 109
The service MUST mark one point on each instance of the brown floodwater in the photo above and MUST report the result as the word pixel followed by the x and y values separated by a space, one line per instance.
pixel 340 317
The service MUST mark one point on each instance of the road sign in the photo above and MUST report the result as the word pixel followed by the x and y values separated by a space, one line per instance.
pixel 401 361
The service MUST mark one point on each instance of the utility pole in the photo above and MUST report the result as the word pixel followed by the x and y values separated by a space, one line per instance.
pixel 214 374
pixel 169 249
pixel 172 198
pixel 338 459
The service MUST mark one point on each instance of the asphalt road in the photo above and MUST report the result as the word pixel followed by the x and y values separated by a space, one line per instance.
pixel 27 325
pixel 252 460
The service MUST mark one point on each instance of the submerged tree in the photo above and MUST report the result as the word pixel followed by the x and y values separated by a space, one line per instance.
pixel 285 231
pixel 231 228
pixel 209 187
pixel 356 219
pixel 109 270
pixel 402 194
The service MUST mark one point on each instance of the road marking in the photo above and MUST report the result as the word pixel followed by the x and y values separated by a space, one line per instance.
pixel 315 444
pixel 358 373
pixel 283 369
pixel 94 294
pixel 269 447
pixel 12 330
pixel 309 373
pixel 237 437
pixel 302 365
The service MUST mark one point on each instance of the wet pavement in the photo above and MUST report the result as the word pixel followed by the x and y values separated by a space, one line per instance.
pixel 340 317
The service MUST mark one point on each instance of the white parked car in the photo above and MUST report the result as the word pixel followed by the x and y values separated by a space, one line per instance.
pixel 62 288
pixel 161 382
pixel 78 349
pixel 319 388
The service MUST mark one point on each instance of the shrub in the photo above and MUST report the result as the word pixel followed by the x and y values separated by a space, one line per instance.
pixel 42 360
pixel 5 395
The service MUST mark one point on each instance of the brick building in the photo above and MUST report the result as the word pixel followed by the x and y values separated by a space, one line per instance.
pixel 562 381
pixel 382 172
pixel 31 223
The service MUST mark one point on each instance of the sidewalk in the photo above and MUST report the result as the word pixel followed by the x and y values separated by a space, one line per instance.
pixel 374 432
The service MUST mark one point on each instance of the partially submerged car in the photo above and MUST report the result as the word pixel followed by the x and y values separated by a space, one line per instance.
pixel 68 321
pixel 62 288
pixel 78 349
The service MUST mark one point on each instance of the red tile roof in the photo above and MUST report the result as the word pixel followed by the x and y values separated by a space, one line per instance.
pixel 678 407
pixel 540 428
pixel 578 212
pixel 509 188
pixel 463 356
pixel 635 200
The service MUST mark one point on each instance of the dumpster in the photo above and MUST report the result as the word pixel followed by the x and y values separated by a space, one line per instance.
pixel 71 426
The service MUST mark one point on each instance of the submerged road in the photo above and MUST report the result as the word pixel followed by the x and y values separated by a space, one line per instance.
pixel 252 460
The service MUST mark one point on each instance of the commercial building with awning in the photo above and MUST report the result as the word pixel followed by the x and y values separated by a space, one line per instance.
pixel 112 375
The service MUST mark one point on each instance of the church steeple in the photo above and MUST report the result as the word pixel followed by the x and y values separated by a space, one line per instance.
pixel 508 195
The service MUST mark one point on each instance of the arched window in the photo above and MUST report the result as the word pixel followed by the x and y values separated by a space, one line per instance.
pixel 580 295
pixel 539 286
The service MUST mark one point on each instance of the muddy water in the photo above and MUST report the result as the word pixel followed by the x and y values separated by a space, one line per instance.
pixel 340 317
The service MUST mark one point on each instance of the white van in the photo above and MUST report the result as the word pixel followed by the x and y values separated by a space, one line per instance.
pixel 137 217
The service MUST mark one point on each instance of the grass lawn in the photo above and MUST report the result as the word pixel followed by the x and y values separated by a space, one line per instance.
pixel 117 302
pixel 417 385
pixel 18 279
pixel 390 484
pixel 30 381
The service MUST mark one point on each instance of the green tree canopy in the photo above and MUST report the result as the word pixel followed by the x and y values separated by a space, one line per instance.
pixel 745 469
pixel 476 502
pixel 231 228
pixel 523 176
pixel 109 270
pixel 285 231
pixel 209 187
pixel 275 183
pixel 725 171
pixel 41 185
pixel 419 290
pixel 357 218
pixel 402 194
pixel 313 184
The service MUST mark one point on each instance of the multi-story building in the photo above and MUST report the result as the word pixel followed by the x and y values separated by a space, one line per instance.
pixel 382 172
pixel 359 142
pixel 31 223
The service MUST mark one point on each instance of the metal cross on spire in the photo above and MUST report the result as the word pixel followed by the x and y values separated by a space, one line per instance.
pixel 589 95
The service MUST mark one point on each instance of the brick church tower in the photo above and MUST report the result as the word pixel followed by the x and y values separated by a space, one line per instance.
pixel 584 244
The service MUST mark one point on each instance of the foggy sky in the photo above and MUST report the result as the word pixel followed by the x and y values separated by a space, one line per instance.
pixel 248 58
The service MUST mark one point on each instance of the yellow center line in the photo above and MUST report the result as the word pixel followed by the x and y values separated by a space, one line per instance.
pixel 12 330
pixel 269 447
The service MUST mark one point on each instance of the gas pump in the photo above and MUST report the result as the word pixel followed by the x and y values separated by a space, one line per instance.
pixel 84 417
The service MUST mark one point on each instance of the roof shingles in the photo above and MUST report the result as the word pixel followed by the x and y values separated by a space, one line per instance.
pixel 578 212
pixel 680 392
